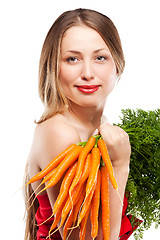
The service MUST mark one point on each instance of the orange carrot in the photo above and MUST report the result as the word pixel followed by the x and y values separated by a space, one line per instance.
pixel 82 232
pixel 105 156
pixel 73 215
pixel 68 223
pixel 81 160
pixel 63 166
pixel 78 204
pixel 65 187
pixel 95 162
pixel 52 164
pixel 105 203
pixel 69 204
pixel 49 175
pixel 95 207
pixel 86 170
pixel 86 204
pixel 56 219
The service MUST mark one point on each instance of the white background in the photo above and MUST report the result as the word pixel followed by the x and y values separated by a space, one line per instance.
pixel 23 27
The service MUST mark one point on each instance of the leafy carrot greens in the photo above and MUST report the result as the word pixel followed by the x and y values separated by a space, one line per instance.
pixel 143 186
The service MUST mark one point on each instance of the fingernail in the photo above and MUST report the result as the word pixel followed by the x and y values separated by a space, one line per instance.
pixel 96 132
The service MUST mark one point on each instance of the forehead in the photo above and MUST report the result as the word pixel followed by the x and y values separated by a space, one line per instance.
pixel 81 37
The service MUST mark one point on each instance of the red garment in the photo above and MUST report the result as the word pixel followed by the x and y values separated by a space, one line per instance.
pixel 44 211
pixel 126 227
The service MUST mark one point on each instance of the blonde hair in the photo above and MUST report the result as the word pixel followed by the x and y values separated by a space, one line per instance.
pixel 49 88
pixel 31 227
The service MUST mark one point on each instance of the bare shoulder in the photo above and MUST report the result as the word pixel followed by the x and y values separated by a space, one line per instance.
pixel 50 138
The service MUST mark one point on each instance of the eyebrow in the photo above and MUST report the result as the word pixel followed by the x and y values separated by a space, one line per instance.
pixel 77 52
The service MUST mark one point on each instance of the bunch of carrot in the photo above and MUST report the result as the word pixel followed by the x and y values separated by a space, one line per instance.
pixel 87 169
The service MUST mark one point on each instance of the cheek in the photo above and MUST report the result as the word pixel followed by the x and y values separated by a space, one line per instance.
pixel 64 76
pixel 108 74
pixel 67 75
pixel 109 78
pixel 112 75
pixel 67 78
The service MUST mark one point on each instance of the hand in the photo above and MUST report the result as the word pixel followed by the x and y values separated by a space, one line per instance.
pixel 117 141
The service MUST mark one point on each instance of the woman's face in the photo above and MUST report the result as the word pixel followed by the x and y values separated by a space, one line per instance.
pixel 87 69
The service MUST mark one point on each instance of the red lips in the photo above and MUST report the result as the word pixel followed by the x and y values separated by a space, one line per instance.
pixel 88 88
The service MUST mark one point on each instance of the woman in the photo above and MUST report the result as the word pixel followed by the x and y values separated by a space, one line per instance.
pixel 81 61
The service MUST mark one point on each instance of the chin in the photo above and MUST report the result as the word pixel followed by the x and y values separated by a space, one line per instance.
pixel 89 104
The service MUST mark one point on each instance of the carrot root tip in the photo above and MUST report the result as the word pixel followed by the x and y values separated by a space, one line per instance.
pixel 50 234
pixel 21 188
pixel 46 220
pixel 35 199
pixel 74 227
pixel 119 196
pixel 33 193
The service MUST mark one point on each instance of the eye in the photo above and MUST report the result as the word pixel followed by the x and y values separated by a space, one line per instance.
pixel 101 58
pixel 72 59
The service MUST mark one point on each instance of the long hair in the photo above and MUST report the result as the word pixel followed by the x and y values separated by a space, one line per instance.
pixel 31 224
pixel 49 87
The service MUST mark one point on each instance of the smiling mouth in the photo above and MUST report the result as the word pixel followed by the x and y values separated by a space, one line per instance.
pixel 88 88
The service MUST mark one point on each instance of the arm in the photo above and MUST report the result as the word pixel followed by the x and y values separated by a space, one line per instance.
pixel 50 138
pixel 119 149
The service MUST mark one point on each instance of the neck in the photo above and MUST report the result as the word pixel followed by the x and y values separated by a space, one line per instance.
pixel 85 118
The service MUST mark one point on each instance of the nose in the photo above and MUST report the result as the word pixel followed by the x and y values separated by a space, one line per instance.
pixel 87 71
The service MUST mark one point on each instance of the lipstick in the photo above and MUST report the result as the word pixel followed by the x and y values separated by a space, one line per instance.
pixel 88 88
